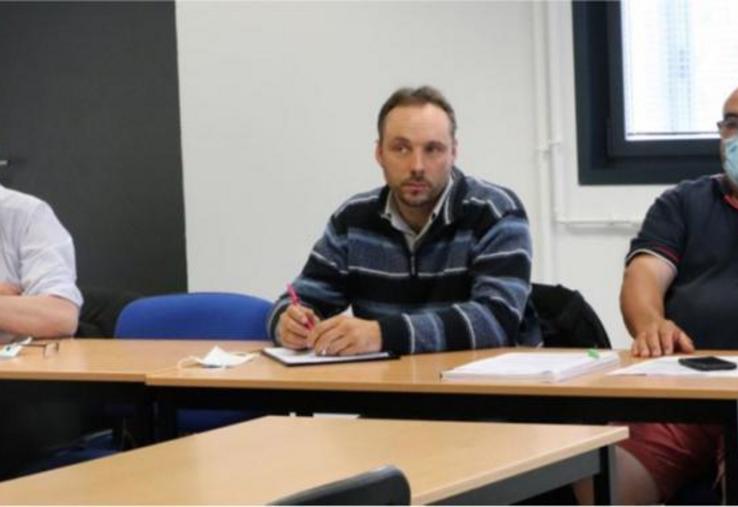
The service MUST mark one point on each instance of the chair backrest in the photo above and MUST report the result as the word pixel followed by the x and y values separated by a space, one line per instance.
pixel 100 310
pixel 196 315
pixel 567 320
pixel 383 486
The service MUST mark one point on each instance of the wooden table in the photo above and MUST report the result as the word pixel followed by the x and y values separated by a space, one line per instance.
pixel 109 360
pixel 265 459
pixel 100 371
pixel 412 388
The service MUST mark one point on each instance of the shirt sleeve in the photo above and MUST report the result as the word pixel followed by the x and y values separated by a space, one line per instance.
pixel 321 285
pixel 47 262
pixel 500 268
pixel 663 231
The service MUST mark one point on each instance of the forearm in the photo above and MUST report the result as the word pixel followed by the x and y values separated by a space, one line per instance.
pixel 321 285
pixel 319 295
pixel 639 309
pixel 279 307
pixel 40 316
pixel 641 299
pixel 461 326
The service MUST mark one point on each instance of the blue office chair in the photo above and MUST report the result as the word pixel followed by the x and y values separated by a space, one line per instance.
pixel 198 315
pixel 86 448
pixel 386 485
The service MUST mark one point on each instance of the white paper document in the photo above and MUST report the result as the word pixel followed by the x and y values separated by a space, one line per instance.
pixel 669 366
pixel 543 366
pixel 291 357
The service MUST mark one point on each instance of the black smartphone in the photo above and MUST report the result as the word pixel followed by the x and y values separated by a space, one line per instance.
pixel 707 363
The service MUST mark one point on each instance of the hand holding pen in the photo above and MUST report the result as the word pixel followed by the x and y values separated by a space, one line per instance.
pixel 295 323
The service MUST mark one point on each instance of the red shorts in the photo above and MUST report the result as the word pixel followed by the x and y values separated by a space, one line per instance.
pixel 676 453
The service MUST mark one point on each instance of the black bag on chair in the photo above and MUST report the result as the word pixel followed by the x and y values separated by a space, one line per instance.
pixel 567 320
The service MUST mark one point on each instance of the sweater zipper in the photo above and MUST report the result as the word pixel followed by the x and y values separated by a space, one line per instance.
pixel 414 252
pixel 410 253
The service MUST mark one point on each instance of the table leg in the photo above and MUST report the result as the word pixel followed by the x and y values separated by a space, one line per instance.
pixel 605 482
pixel 731 457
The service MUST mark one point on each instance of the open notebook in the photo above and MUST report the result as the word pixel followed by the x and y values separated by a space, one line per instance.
pixel 306 357
pixel 542 366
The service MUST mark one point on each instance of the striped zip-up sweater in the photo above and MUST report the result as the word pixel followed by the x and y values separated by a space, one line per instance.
pixel 465 285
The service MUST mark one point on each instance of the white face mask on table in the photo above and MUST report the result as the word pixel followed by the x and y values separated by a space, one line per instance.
pixel 219 358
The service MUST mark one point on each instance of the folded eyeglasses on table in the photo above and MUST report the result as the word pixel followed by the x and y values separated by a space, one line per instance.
pixel 50 346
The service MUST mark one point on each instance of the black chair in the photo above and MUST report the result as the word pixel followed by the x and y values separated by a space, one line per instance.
pixel 567 320
pixel 99 313
pixel 97 319
pixel 383 486
pixel 88 434
pixel 702 490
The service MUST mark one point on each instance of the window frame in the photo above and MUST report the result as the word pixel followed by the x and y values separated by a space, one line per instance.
pixel 605 156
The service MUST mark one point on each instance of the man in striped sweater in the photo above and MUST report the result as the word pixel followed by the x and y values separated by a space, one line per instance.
pixel 434 260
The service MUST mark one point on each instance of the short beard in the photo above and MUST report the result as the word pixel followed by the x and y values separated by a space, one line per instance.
pixel 429 201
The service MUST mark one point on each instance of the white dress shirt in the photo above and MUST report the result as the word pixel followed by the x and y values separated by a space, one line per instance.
pixel 36 251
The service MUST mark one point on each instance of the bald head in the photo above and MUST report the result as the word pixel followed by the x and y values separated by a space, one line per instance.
pixel 731 104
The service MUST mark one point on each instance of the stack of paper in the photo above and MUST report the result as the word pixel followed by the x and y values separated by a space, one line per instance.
pixel 543 366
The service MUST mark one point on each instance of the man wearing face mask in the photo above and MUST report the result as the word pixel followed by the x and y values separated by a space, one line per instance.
pixel 434 260
pixel 678 294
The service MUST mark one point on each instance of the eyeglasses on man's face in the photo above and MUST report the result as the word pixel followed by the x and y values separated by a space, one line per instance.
pixel 728 126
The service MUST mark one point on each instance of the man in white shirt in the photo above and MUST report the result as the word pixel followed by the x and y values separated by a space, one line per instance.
pixel 39 298
pixel 38 295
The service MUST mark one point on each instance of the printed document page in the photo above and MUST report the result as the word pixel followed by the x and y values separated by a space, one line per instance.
pixel 669 366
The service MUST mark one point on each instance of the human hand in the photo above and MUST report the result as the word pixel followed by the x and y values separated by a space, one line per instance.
pixel 345 335
pixel 294 326
pixel 10 289
pixel 661 337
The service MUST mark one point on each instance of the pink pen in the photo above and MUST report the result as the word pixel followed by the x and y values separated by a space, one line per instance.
pixel 295 300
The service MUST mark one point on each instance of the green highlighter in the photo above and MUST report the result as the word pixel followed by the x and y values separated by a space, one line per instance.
pixel 593 353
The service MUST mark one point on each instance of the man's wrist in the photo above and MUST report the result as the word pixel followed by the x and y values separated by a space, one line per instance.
pixel 395 334
pixel 376 334
pixel 646 323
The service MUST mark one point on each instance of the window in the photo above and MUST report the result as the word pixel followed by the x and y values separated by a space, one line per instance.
pixel 651 78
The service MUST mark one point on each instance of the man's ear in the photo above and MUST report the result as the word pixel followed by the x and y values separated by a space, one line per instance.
pixel 378 154
pixel 454 150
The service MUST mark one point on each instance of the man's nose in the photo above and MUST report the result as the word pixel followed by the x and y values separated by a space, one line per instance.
pixel 418 162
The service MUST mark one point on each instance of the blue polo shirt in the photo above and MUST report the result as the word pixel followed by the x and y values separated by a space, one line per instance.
pixel 694 227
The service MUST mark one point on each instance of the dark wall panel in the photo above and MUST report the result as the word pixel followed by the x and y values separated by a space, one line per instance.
pixel 89 119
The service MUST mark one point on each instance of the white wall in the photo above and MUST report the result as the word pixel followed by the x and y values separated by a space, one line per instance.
pixel 279 103
pixel 589 258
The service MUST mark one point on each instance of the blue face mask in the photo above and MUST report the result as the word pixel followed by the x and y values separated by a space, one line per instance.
pixel 730 150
